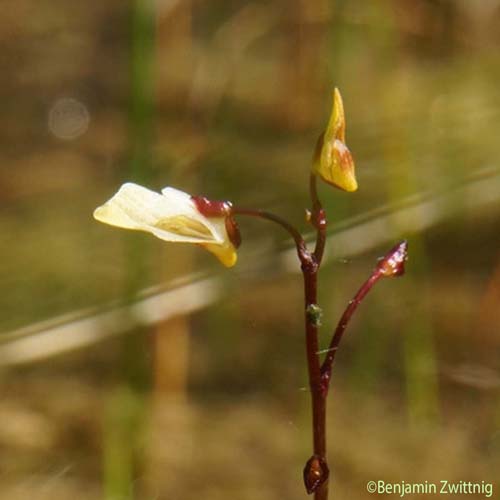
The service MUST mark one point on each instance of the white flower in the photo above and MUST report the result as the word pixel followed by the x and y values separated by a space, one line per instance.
pixel 170 216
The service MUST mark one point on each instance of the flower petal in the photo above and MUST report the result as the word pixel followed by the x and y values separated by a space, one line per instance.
pixel 171 219
pixel 226 252
pixel 170 216
pixel 336 124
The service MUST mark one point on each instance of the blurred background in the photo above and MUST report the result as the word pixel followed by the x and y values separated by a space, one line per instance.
pixel 134 369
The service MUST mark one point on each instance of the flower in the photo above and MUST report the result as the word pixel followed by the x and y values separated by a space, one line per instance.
pixel 332 159
pixel 170 216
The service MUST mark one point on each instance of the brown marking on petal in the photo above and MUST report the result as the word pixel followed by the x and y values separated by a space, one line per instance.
pixel 343 156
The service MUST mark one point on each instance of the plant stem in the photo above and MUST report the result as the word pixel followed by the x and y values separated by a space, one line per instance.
pixel 318 219
pixel 302 252
pixel 318 397
pixel 326 367
pixel 391 265
pixel 309 267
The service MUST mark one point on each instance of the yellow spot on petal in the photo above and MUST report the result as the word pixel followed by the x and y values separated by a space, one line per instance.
pixel 226 253
pixel 185 226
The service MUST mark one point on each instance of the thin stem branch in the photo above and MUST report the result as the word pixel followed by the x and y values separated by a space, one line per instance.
pixel 392 264
pixel 318 219
pixel 303 253
pixel 313 191
pixel 326 367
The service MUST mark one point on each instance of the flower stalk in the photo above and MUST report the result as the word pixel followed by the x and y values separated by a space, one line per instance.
pixel 317 217
pixel 392 264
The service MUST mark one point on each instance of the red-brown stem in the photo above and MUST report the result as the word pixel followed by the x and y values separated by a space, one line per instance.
pixel 318 219
pixel 391 265
pixel 318 397
pixel 309 267
pixel 326 367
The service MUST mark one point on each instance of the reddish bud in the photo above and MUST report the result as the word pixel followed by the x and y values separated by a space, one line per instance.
pixel 393 263
pixel 315 473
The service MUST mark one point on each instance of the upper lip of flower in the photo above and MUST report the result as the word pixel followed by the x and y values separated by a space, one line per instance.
pixel 332 159
pixel 170 216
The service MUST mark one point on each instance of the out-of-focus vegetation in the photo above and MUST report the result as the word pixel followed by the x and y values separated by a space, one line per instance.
pixel 226 99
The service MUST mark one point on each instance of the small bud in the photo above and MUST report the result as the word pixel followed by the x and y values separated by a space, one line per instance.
pixel 393 263
pixel 332 159
pixel 314 314
pixel 315 473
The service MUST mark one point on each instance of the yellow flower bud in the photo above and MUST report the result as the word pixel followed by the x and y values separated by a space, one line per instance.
pixel 332 159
